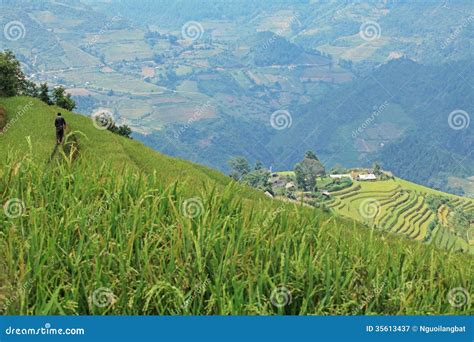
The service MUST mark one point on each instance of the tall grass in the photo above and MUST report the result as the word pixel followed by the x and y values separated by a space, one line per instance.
pixel 94 240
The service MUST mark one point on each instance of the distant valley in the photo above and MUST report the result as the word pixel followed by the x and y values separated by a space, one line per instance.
pixel 355 83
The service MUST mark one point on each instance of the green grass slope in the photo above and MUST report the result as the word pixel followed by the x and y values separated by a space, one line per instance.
pixel 120 229
pixel 37 123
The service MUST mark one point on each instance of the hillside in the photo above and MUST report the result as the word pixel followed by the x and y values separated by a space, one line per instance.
pixel 351 126
pixel 117 228
pixel 211 96
pixel 414 211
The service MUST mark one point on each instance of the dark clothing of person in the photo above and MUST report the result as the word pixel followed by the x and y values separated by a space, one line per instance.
pixel 60 123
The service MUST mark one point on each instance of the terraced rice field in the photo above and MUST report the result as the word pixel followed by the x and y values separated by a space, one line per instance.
pixel 400 207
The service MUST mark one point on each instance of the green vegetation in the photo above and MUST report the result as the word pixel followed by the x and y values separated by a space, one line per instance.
pixel 14 82
pixel 307 171
pixel 150 229
pixel 256 178
pixel 12 79
pixel 411 210
pixel 253 59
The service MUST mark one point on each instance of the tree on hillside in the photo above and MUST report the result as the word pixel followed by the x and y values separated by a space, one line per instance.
pixel 239 167
pixel 338 168
pixel 377 169
pixel 307 171
pixel 123 130
pixel 259 179
pixel 310 155
pixel 63 100
pixel 44 94
pixel 258 165
pixel 12 79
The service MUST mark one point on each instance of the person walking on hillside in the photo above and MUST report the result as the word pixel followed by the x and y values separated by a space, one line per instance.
pixel 60 125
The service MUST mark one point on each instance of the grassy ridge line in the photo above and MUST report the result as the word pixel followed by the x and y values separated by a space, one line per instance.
pixel 99 147
pixel 422 188
pixel 119 224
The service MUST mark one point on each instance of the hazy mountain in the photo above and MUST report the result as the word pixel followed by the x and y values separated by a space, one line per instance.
pixel 201 80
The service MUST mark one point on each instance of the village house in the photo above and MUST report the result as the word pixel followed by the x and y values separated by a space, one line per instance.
pixel 366 177
pixel 340 176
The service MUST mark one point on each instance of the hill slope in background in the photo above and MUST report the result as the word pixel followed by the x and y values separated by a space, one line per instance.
pixel 120 229
pixel 405 208
pixel 381 117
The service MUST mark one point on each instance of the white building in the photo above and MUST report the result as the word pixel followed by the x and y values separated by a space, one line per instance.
pixel 367 177
pixel 339 176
